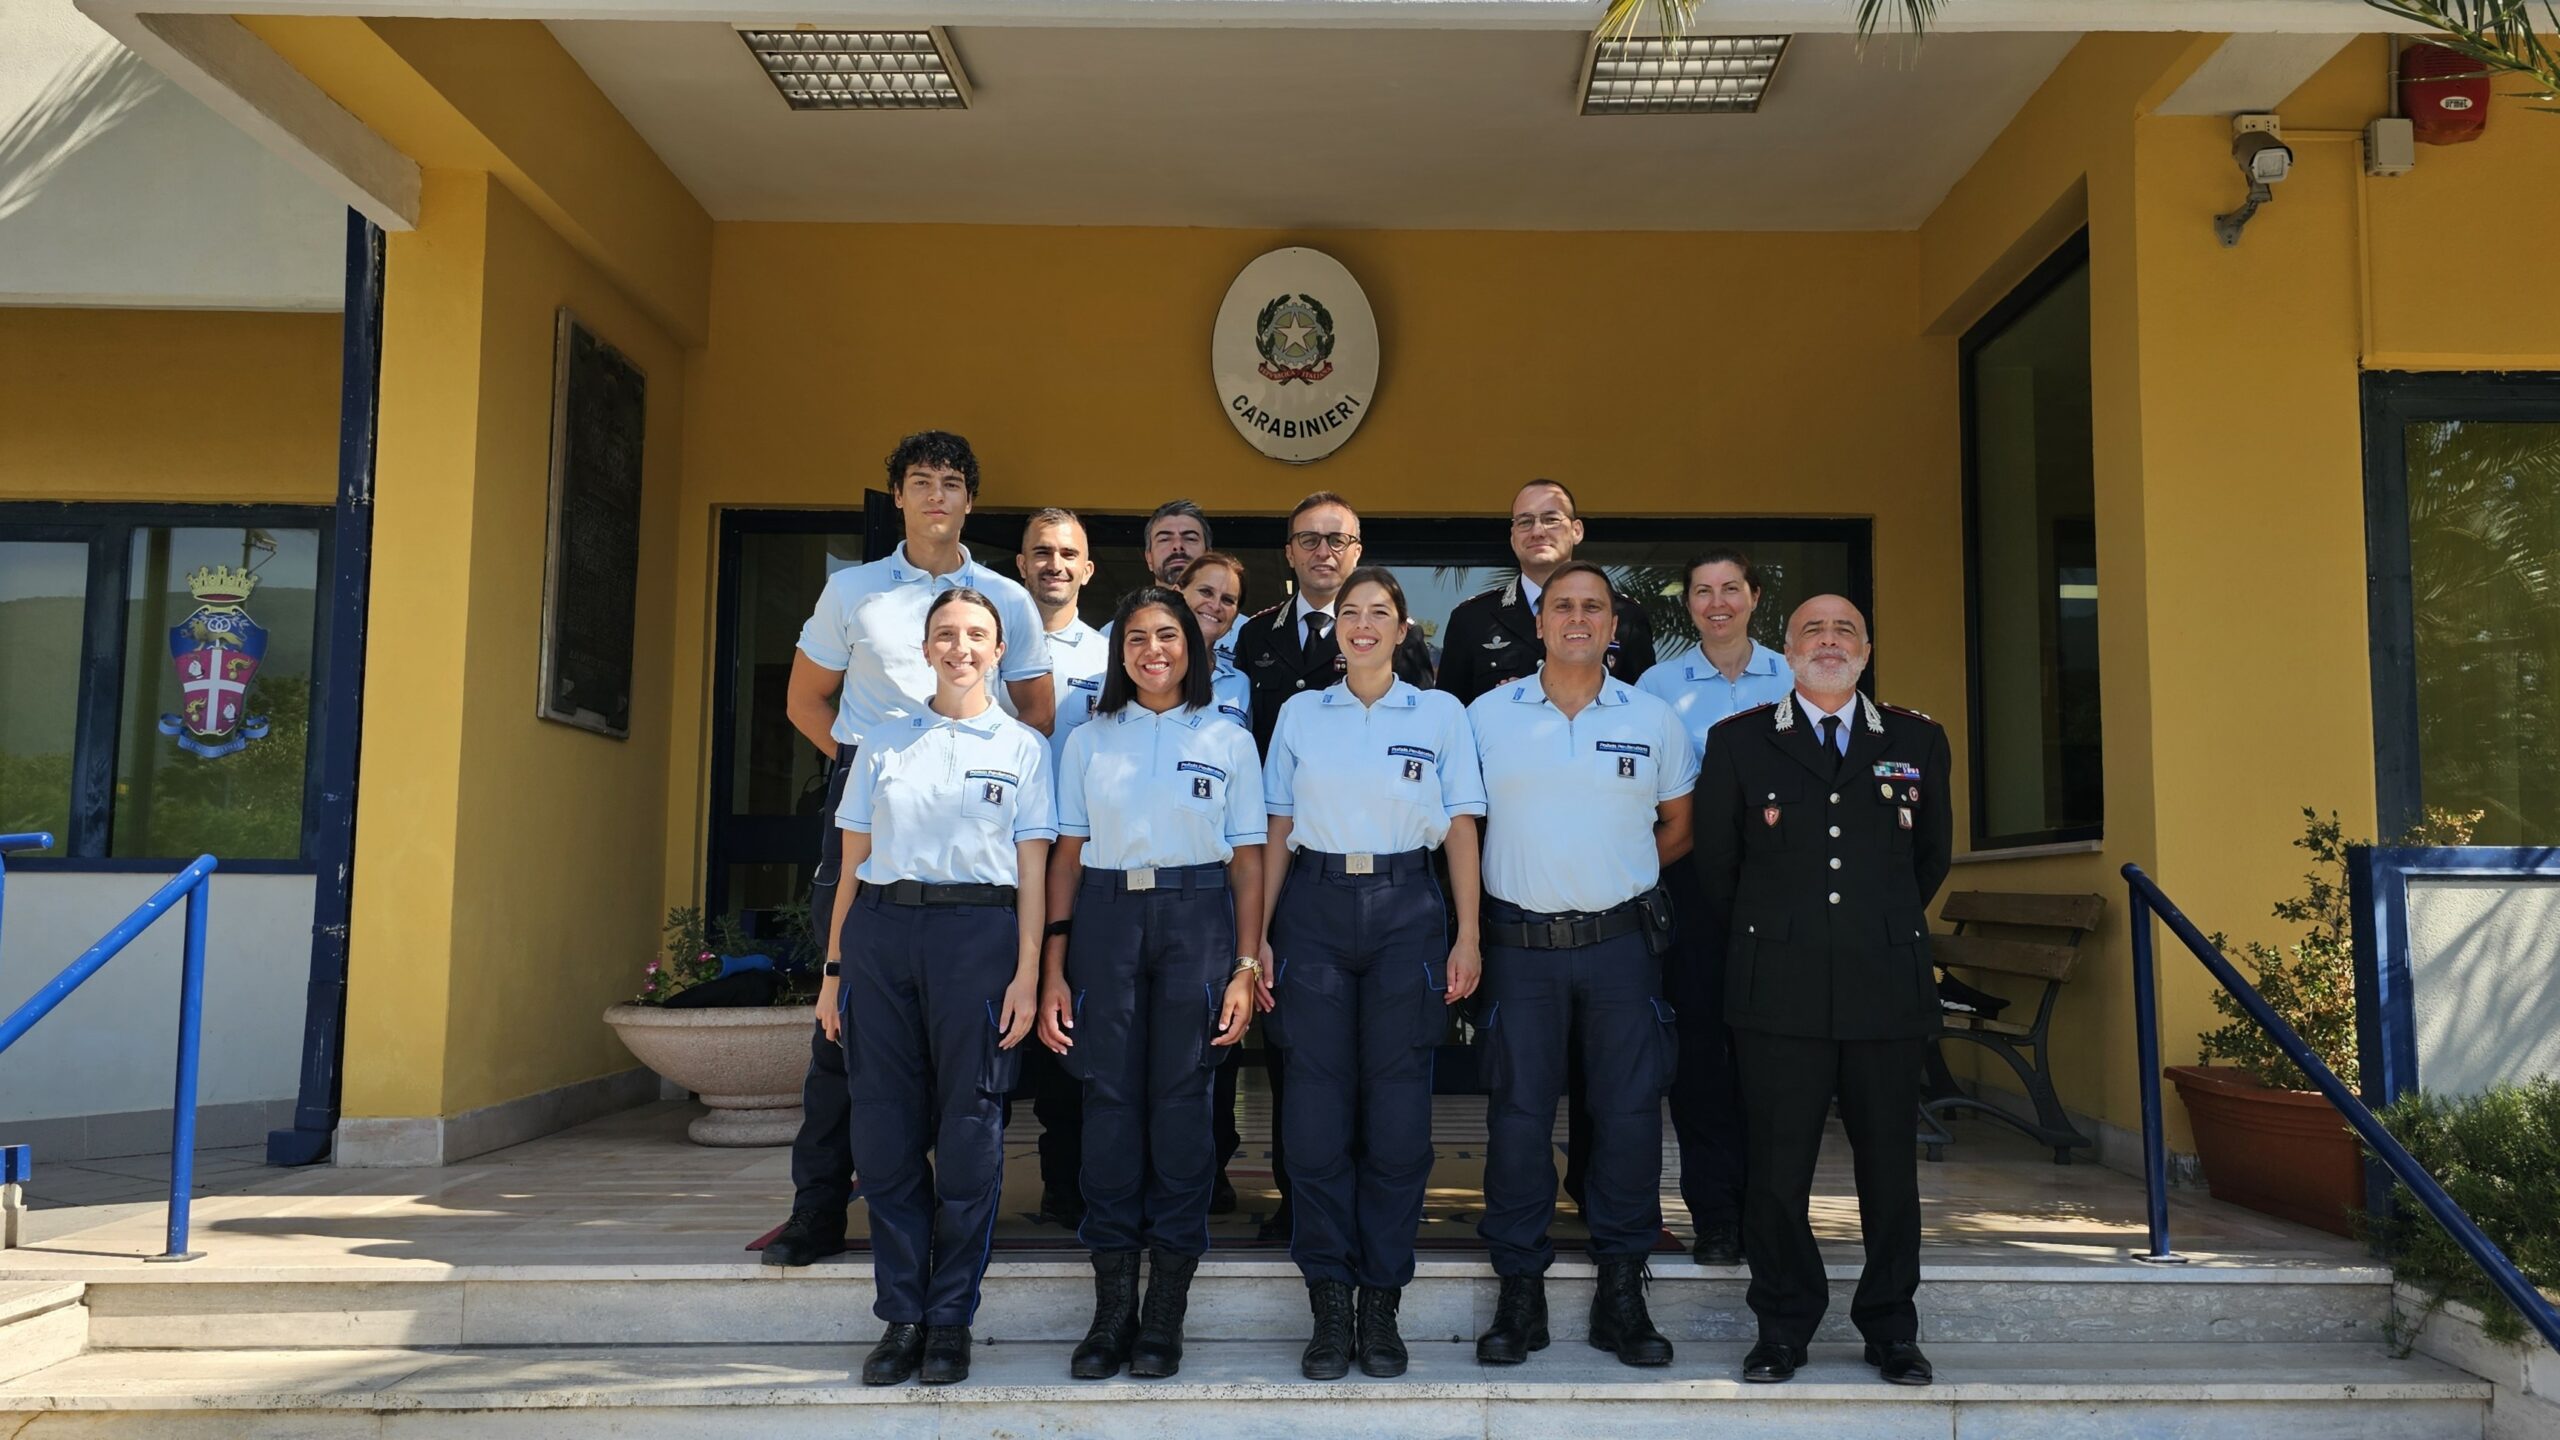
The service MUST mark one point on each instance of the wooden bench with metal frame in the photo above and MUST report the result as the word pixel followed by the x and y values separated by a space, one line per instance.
pixel 2030 936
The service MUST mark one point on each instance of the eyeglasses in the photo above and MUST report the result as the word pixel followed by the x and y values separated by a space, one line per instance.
pixel 1552 520
pixel 1308 542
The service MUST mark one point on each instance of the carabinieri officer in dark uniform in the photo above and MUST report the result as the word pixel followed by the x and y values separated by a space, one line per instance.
pixel 1492 638
pixel 1363 782
pixel 1823 830
pixel 1287 650
pixel 947 824
pixel 1587 784
pixel 1158 892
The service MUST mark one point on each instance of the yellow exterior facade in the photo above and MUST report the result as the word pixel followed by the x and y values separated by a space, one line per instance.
pixel 511 873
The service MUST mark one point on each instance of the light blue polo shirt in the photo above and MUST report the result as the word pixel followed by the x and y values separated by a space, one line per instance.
pixel 1691 684
pixel 1371 779
pixel 1142 789
pixel 869 624
pixel 1079 656
pixel 945 801
pixel 1231 693
pixel 1569 802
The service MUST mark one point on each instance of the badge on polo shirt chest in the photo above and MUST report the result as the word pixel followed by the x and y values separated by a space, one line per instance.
pixel 1627 767
pixel 1199 787
pixel 993 794
pixel 1413 771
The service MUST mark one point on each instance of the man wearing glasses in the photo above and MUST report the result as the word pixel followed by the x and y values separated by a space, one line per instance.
pixel 1282 651
pixel 1492 639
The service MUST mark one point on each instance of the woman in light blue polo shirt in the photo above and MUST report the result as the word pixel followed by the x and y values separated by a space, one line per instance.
pixel 1364 780
pixel 1726 673
pixel 932 980
pixel 1157 887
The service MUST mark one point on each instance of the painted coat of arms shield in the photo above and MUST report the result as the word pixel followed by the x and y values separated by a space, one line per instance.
pixel 216 652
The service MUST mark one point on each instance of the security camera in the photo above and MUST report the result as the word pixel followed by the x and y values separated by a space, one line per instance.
pixel 2265 159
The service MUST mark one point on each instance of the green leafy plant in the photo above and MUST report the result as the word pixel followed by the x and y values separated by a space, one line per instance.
pixel 2311 984
pixel 685 958
pixel 692 948
pixel 2495 1153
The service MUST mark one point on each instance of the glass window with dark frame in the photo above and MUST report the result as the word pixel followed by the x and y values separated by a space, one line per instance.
pixel 199 735
pixel 2031 569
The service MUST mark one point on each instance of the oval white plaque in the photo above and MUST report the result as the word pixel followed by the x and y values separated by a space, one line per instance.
pixel 1295 354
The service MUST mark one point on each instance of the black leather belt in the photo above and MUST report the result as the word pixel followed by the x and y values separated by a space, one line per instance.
pixel 1405 862
pixel 1508 924
pixel 1212 876
pixel 917 892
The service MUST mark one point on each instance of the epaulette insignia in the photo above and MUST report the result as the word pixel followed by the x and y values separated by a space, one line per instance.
pixel 1907 710
pixel 1743 714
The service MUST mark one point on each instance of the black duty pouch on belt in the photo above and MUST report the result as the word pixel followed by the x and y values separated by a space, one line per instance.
pixel 1655 906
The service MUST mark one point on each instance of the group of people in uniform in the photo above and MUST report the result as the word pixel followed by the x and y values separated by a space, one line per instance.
pixel 1084 863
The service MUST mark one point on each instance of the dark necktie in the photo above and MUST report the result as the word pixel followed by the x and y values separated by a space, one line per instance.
pixel 1319 625
pixel 1831 736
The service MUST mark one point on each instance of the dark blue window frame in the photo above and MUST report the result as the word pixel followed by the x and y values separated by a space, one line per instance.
pixel 107 529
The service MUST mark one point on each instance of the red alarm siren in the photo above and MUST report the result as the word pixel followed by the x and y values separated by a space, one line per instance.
pixel 2445 94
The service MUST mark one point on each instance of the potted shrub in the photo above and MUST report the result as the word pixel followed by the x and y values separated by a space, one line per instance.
pixel 720 1019
pixel 2264 1137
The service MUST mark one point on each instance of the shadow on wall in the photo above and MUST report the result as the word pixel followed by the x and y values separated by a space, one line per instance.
pixel 81 105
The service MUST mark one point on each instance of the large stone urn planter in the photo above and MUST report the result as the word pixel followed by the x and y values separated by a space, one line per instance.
pixel 745 1062
pixel 2284 1153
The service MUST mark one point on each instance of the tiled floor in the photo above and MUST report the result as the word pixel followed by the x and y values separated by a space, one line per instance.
pixel 629 1191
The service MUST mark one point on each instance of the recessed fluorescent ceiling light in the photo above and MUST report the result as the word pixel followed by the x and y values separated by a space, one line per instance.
pixel 1692 75
pixel 861 69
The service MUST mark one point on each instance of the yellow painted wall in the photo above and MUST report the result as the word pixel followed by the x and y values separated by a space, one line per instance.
pixel 187 405
pixel 508 890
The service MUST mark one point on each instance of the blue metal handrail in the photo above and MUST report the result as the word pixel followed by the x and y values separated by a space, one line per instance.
pixel 193 885
pixel 2148 900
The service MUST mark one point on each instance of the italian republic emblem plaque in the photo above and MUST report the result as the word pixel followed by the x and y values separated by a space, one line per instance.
pixel 1295 354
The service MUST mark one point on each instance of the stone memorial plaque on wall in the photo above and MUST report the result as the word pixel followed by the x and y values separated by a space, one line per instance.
pixel 591 570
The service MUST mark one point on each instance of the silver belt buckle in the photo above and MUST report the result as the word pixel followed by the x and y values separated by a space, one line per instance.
pixel 1359 864
pixel 1142 879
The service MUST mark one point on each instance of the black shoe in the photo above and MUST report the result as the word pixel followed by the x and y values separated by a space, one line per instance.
pixel 1900 1362
pixel 1719 1243
pixel 1059 1206
pixel 1769 1362
pixel 946 1355
pixel 1382 1354
pixel 1619 1321
pixel 1115 1317
pixel 1222 1196
pixel 1519 1322
pixel 806 1237
pixel 1281 1224
pixel 900 1350
pixel 1158 1352
pixel 1328 1355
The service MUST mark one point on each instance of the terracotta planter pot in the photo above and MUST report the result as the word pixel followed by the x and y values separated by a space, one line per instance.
pixel 2280 1152
pixel 746 1063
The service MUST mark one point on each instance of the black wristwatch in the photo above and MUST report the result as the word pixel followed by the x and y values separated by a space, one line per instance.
pixel 834 968
pixel 1060 927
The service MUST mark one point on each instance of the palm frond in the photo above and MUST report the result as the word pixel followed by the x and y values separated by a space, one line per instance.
pixel 1915 16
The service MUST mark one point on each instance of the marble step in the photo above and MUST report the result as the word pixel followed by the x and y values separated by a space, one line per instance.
pixel 1048 1300
pixel 41 1323
pixel 1246 1391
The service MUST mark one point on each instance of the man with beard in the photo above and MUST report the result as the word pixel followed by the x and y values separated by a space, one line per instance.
pixel 1823 831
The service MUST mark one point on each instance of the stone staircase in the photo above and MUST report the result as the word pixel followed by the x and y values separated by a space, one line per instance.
pixel 2051 1350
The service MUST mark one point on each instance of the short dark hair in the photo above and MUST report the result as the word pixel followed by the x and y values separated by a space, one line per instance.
pixel 1575 567
pixel 1208 558
pixel 1723 555
pixel 938 448
pixel 958 595
pixel 1380 576
pixel 1185 508
pixel 1051 515
pixel 1572 507
pixel 1322 497
pixel 1199 667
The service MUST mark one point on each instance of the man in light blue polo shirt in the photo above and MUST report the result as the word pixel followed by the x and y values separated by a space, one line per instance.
pixel 861 663
pixel 1587 783
pixel 1056 562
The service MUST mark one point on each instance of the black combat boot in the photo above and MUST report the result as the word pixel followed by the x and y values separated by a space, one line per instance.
pixel 1115 1316
pixel 1519 1322
pixel 946 1355
pixel 900 1350
pixel 1618 1319
pixel 1382 1355
pixel 1328 1354
pixel 806 1237
pixel 1158 1352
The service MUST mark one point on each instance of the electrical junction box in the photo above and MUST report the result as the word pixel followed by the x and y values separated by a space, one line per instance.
pixel 2253 123
pixel 2390 147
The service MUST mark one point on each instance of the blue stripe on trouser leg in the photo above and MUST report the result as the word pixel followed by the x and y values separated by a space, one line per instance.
pixel 1610 993
pixel 1360 1007
pixel 923 988
pixel 1150 968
